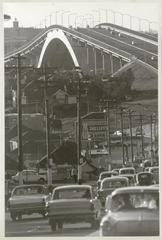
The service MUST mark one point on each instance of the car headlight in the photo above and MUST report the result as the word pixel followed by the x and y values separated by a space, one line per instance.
pixel 105 228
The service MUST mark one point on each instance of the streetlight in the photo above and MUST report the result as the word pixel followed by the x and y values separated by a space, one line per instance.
pixel 112 11
pixel 77 18
pixel 99 15
pixel 91 15
pixel 56 12
pixel 69 17
pixel 121 14
pixel 106 13
pixel 62 14
pixel 146 21
pixel 130 19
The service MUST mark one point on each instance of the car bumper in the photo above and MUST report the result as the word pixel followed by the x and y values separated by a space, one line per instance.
pixel 72 218
pixel 30 209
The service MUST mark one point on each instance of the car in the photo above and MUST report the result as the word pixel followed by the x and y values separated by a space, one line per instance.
pixel 28 199
pixel 72 204
pixel 144 179
pixel 127 170
pixel 110 184
pixel 131 211
pixel 105 174
pixel 131 178
pixel 116 170
pixel 138 132
pixel 155 172
pixel 30 176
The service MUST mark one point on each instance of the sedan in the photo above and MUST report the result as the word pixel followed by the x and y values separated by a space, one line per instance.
pixel 72 204
pixel 131 211
pixel 28 199
pixel 108 185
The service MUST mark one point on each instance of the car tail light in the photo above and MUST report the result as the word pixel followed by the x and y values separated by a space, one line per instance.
pixel 92 206
pixel 8 204
pixel 44 201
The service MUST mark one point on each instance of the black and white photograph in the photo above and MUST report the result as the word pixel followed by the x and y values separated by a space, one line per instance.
pixel 81 119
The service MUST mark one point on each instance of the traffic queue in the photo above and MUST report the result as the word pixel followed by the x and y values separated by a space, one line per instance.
pixel 122 202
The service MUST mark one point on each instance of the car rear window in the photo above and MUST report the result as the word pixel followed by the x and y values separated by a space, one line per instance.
pixel 29 191
pixel 114 184
pixel 135 201
pixel 105 175
pixel 155 170
pixel 127 171
pixel 72 193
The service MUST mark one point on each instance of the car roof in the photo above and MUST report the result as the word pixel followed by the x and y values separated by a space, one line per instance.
pixel 29 185
pixel 146 173
pixel 106 172
pixel 127 175
pixel 135 189
pixel 114 178
pixel 154 167
pixel 125 168
pixel 73 186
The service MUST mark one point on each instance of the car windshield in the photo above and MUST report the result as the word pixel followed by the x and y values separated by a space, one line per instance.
pixel 29 190
pixel 72 193
pixel 155 170
pixel 145 179
pixel 114 184
pixel 105 175
pixel 135 201
pixel 127 171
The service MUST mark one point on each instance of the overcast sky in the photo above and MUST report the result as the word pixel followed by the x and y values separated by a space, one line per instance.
pixel 33 14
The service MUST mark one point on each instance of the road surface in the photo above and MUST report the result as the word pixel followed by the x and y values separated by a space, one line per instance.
pixel 35 225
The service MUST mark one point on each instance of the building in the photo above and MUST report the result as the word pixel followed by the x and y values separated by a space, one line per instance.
pixel 17 36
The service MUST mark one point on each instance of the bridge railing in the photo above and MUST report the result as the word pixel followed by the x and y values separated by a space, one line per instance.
pixel 88 39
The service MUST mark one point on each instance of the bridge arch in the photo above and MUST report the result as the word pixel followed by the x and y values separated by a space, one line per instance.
pixel 57 34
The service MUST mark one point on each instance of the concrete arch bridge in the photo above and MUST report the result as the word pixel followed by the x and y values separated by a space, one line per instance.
pixel 105 50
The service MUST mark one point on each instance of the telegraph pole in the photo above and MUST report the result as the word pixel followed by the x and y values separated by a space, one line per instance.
pixel 49 164
pixel 122 136
pixel 19 120
pixel 78 70
pixel 151 140
pixel 141 130
pixel 108 133
pixel 131 138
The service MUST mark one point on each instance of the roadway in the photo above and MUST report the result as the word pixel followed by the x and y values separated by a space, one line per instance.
pixel 142 50
pixel 36 225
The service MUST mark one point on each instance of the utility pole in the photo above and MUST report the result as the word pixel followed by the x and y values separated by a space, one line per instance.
pixel 49 164
pixel 78 70
pixel 108 133
pixel 151 118
pixel 131 138
pixel 141 130
pixel 19 122
pixel 122 136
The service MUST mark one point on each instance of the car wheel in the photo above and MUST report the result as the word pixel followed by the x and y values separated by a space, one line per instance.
pixel 60 225
pixel 95 224
pixel 53 226
pixel 41 181
pixel 13 216
pixel 19 216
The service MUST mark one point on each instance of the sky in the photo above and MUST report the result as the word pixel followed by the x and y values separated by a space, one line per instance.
pixel 36 14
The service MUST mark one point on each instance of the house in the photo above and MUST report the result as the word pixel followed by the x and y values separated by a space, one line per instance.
pixel 62 97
